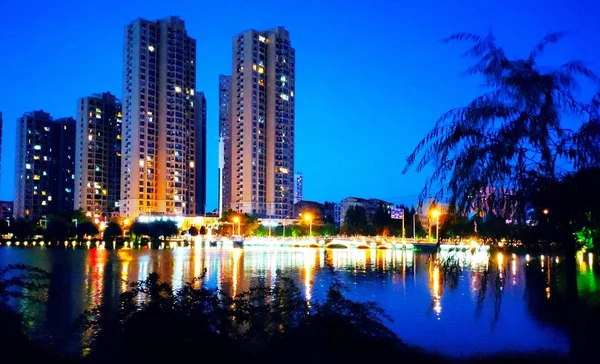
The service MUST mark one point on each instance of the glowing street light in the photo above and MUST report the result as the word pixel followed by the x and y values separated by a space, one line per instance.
pixel 545 211
pixel 237 221
pixel 308 218
pixel 436 214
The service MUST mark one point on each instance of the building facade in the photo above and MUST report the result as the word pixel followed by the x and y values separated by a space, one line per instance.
pixel 345 205
pixel 329 214
pixel 98 155
pixel 262 123
pixel 44 165
pixel 298 187
pixel 225 141
pixel 6 210
pixel 159 119
pixel 315 209
pixel 373 204
pixel 200 154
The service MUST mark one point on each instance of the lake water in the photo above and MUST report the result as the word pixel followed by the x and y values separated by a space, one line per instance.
pixel 449 316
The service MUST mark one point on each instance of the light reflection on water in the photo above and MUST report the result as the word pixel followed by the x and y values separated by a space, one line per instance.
pixel 427 310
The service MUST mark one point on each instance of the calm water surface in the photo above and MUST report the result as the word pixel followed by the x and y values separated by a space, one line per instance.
pixel 428 310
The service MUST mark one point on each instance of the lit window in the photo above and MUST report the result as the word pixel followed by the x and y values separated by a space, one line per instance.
pixel 28 166
pixel 177 89
pixel 36 177
pixel 192 92
pixel 261 70
pixel 292 93
pixel 49 198
pixel 285 97
pixel 254 67
pixel 141 162
pixel 261 38
pixel 46 128
pixel 151 48
pixel 283 79
pixel 37 147
pixel 90 137
pixel 43 203
pixel 192 164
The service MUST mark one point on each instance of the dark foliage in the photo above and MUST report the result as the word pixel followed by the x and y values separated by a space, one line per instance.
pixel 113 230
pixel 261 324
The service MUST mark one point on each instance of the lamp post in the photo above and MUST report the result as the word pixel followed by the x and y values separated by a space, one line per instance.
pixel 308 218
pixel 414 228
pixel 436 214
pixel 237 221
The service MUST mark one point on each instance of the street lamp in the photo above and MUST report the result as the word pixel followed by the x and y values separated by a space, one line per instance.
pixel 308 218
pixel 237 221
pixel 436 214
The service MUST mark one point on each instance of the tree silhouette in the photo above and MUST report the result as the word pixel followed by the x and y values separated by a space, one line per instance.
pixel 56 228
pixel 488 155
pixel 193 231
pixel 494 145
pixel 113 229
pixel 86 228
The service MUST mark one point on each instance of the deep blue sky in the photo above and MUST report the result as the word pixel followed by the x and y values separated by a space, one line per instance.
pixel 371 78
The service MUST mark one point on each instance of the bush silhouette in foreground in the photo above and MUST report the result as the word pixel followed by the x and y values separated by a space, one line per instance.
pixel 266 324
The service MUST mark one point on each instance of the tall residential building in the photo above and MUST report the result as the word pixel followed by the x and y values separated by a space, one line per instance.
pixel 63 174
pixel 159 119
pixel 98 155
pixel 262 123
pixel 44 165
pixel 225 137
pixel 200 153
pixel 297 187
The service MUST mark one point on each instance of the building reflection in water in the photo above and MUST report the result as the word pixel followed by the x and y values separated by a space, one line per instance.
pixel 125 258
pixel 94 285
pixel 436 287
pixel 236 255
pixel 310 255
pixel 179 257
pixel 235 270
pixel 198 263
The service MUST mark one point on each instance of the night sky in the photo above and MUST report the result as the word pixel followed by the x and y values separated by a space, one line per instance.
pixel 371 76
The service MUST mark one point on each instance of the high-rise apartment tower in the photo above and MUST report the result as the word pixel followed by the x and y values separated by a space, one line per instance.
pixel 159 120
pixel 262 123
pixel 98 156
pixel 224 142
pixel 44 165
